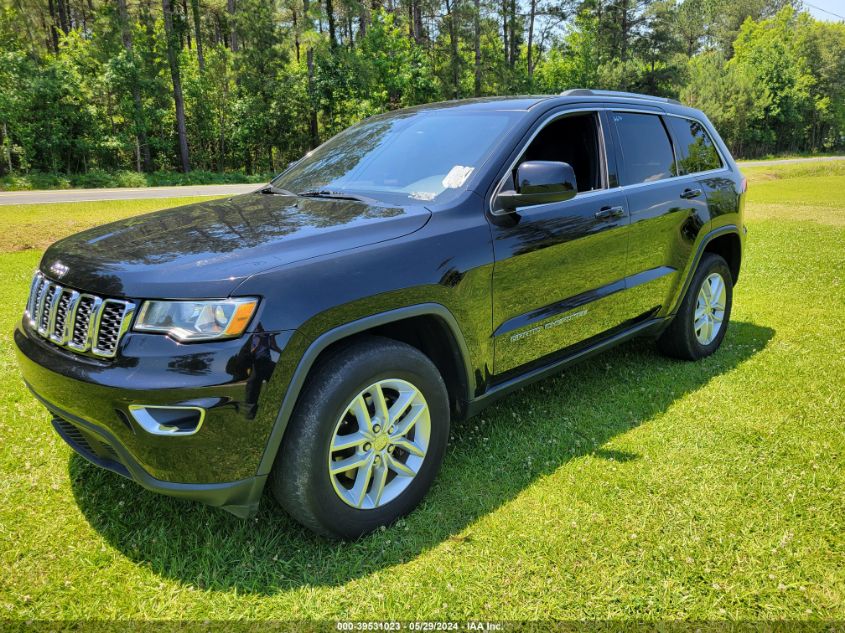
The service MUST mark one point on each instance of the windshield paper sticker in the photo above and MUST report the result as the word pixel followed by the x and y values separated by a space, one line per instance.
pixel 423 195
pixel 457 176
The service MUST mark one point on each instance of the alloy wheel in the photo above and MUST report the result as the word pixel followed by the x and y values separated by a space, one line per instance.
pixel 379 444
pixel 710 309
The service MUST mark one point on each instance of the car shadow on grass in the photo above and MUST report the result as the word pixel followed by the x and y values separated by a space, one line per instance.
pixel 492 458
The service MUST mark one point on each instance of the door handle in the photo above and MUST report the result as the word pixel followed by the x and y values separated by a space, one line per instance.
pixel 610 213
pixel 691 193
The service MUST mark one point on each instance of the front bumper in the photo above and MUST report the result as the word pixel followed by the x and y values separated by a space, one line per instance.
pixel 90 401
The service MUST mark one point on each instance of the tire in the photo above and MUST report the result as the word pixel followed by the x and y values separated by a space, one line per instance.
pixel 682 339
pixel 337 410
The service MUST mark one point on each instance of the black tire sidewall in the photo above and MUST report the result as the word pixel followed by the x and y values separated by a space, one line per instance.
pixel 306 444
pixel 710 264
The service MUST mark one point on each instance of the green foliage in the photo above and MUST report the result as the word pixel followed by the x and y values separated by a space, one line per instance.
pixel 96 177
pixel 783 89
pixel 271 83
pixel 394 72
pixel 576 61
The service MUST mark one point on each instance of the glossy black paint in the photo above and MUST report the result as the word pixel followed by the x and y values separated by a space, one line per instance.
pixel 539 182
pixel 514 296
pixel 207 249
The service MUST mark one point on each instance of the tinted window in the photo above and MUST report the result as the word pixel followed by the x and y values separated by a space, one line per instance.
pixel 646 150
pixel 426 155
pixel 696 150
pixel 571 139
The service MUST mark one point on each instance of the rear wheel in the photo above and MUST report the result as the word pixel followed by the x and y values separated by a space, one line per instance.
pixel 702 319
pixel 365 441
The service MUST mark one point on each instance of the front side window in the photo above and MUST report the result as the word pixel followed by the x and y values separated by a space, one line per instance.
pixel 696 150
pixel 424 156
pixel 572 139
pixel 646 150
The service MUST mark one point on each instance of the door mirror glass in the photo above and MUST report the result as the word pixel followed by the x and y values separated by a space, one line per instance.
pixel 539 182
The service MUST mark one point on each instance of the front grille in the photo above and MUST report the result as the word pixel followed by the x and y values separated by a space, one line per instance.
pixel 81 322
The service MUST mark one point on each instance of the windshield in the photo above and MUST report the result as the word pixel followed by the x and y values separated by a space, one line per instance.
pixel 417 156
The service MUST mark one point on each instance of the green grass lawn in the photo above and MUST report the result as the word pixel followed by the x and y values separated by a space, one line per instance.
pixel 36 226
pixel 631 486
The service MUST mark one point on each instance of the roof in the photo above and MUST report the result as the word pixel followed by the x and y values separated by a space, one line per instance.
pixel 523 103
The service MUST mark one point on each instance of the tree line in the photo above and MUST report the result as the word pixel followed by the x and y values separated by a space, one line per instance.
pixel 249 85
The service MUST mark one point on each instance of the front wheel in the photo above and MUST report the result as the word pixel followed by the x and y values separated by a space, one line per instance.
pixel 365 441
pixel 702 319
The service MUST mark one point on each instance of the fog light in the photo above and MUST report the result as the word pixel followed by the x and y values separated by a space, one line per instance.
pixel 164 420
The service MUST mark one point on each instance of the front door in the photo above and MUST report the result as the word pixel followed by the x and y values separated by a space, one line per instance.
pixel 559 275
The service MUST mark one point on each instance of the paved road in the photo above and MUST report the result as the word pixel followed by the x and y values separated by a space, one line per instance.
pixel 787 161
pixel 84 195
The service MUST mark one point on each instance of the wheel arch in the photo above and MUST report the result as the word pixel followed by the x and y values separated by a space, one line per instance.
pixel 720 241
pixel 729 247
pixel 429 327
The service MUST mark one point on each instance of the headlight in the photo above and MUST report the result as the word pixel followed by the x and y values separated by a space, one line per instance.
pixel 196 320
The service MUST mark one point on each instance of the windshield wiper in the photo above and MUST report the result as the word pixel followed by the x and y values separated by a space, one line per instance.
pixel 337 195
pixel 272 189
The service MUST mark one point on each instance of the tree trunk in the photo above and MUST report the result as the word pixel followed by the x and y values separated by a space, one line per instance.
pixel 141 144
pixel 363 18
pixel 3 149
pixel 178 99
pixel 295 35
pixel 505 29
pixel 63 18
pixel 512 56
pixel 54 30
pixel 624 28
pixel 313 129
pixel 419 32
pixel 332 27
pixel 451 9
pixel 195 9
pixel 8 153
pixel 477 43
pixel 187 28
pixel 221 161
pixel 529 52
pixel 233 33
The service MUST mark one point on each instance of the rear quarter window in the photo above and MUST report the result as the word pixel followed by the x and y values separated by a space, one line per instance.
pixel 647 154
pixel 696 150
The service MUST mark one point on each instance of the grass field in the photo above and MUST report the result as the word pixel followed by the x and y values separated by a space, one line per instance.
pixel 631 486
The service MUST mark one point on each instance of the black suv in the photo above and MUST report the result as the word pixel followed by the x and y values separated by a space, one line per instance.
pixel 319 334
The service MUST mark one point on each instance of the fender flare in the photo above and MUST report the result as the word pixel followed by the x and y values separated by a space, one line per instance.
pixel 322 342
pixel 696 258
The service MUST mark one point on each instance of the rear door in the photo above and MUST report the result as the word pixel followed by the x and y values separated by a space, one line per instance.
pixel 667 210
pixel 698 156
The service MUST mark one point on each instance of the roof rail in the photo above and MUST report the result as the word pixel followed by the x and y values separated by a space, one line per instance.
pixel 587 92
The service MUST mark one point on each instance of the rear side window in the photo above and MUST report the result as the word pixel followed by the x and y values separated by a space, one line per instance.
pixel 696 150
pixel 646 150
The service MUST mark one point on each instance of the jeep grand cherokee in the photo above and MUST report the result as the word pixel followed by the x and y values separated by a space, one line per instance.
pixel 318 335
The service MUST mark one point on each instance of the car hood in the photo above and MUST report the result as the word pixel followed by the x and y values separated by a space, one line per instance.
pixel 207 249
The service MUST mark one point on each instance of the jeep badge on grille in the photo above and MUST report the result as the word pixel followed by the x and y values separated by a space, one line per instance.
pixel 59 269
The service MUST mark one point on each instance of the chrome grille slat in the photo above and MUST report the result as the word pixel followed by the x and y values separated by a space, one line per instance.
pixel 31 303
pixel 59 332
pixel 46 309
pixel 81 322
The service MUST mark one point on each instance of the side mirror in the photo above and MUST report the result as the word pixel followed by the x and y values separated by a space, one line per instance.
pixel 539 182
